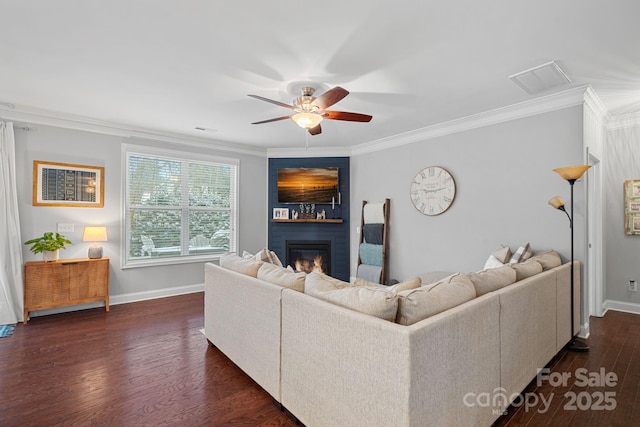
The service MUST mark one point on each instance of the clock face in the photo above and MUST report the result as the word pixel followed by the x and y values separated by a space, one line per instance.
pixel 433 190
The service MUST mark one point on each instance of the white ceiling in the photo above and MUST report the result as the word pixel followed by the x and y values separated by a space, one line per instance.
pixel 173 65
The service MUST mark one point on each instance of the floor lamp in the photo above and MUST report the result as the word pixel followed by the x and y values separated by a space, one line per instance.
pixel 571 174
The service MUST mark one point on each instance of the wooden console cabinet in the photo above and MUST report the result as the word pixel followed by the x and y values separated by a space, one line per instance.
pixel 65 282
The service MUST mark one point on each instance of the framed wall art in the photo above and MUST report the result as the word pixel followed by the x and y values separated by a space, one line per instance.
pixel 632 206
pixel 64 184
pixel 280 213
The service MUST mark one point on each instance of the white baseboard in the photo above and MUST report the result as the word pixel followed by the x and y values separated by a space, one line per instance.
pixel 626 307
pixel 157 293
pixel 125 299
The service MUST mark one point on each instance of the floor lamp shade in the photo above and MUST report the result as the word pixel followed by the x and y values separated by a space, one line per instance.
pixel 571 174
pixel 95 235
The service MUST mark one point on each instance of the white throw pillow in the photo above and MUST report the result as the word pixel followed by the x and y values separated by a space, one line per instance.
pixel 492 262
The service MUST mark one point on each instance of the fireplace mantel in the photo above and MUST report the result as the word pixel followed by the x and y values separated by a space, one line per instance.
pixel 334 229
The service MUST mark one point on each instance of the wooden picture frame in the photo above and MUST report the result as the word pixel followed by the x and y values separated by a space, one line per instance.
pixel 632 207
pixel 65 184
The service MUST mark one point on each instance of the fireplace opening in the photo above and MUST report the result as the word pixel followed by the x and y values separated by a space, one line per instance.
pixel 309 255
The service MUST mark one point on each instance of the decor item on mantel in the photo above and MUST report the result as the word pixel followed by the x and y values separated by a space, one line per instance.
pixel 307 211
pixel 95 235
pixel 49 245
pixel 571 174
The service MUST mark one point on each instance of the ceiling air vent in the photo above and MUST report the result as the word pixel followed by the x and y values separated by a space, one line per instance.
pixel 541 78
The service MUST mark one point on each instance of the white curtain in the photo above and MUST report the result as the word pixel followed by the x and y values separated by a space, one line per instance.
pixel 11 292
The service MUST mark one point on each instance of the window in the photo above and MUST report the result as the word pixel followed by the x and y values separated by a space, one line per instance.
pixel 177 206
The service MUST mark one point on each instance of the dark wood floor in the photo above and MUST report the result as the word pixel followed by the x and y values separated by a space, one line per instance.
pixel 585 398
pixel 141 364
pixel 147 364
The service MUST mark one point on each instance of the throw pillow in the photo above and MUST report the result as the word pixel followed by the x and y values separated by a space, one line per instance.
pixel 526 269
pixel 375 302
pixel 402 286
pixel 248 266
pixel 282 277
pixel 548 259
pixel 522 254
pixel 266 255
pixel 486 281
pixel 417 304
pixel 492 262
pixel 502 253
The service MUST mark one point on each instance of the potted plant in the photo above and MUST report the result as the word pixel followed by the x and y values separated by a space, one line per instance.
pixel 49 245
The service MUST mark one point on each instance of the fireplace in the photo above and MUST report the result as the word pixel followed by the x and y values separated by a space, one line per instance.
pixel 309 255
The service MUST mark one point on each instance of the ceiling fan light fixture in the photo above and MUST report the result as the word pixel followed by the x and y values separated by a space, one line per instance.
pixel 307 120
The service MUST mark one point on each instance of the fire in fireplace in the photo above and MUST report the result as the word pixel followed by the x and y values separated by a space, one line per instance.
pixel 309 255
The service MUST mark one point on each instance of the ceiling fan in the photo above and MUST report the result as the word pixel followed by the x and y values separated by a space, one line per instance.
pixel 309 111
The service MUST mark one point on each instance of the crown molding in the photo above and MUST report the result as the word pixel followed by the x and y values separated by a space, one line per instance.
pixel 36 116
pixel 624 121
pixel 593 102
pixel 544 104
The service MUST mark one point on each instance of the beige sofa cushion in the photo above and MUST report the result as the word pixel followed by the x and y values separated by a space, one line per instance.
pixel 492 279
pixel 418 304
pixel 402 286
pixel 282 277
pixel 375 302
pixel 548 259
pixel 434 276
pixel 526 269
pixel 248 266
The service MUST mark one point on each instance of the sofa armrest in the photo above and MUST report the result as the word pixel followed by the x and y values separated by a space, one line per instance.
pixel 242 319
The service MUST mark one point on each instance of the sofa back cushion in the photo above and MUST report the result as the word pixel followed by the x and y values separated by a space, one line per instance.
pixel 548 259
pixel 492 279
pixel 526 269
pixel 282 277
pixel 402 286
pixel 368 300
pixel 248 266
pixel 418 304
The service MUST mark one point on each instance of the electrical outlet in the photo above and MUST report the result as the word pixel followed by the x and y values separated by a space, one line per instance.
pixel 632 286
pixel 65 228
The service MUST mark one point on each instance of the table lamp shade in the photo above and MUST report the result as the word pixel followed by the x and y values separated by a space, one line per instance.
pixel 95 234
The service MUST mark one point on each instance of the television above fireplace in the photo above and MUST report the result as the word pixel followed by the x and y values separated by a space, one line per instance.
pixel 308 185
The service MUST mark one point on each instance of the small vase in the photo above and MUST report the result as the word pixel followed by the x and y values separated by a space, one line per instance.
pixel 49 256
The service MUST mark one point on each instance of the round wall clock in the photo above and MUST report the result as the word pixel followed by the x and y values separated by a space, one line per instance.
pixel 432 190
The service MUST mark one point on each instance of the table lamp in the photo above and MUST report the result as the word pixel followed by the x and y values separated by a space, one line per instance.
pixel 95 235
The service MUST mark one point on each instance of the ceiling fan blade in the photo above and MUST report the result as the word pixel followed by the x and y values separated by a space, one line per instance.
pixel 282 104
pixel 347 116
pixel 271 120
pixel 330 97
pixel 316 130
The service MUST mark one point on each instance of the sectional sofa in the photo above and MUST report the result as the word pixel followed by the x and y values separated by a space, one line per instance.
pixel 330 365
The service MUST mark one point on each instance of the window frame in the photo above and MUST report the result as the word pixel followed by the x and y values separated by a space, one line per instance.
pixel 129 150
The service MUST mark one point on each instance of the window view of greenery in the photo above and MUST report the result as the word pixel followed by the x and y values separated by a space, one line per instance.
pixel 179 207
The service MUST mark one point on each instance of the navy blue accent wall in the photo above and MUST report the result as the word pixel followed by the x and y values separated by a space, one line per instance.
pixel 338 234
